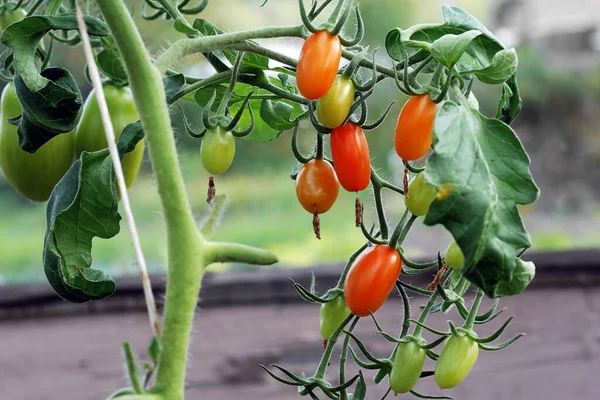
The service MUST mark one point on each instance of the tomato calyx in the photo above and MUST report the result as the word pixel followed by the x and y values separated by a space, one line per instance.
pixel 335 22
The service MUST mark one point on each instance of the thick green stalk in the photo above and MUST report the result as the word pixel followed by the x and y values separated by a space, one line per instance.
pixel 185 243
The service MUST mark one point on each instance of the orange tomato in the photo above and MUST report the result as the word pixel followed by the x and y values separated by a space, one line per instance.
pixel 317 186
pixel 351 160
pixel 318 64
pixel 371 279
pixel 413 130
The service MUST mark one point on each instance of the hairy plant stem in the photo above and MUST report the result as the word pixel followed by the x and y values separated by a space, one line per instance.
pixel 185 243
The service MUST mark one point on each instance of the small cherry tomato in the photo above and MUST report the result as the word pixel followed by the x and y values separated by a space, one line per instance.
pixel 332 315
pixel 413 130
pixel 420 196
pixel 351 160
pixel 456 360
pixel 217 150
pixel 317 186
pixel 318 64
pixel 454 256
pixel 371 279
pixel 408 364
pixel 333 108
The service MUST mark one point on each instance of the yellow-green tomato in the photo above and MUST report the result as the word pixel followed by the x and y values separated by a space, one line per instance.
pixel 9 17
pixel 420 196
pixel 332 315
pixel 90 135
pixel 407 368
pixel 456 360
pixel 454 256
pixel 217 150
pixel 33 176
pixel 333 108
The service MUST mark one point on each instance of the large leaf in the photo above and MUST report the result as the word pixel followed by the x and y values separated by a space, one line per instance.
pixel 54 109
pixel 110 62
pixel 82 206
pixel 24 36
pixel 482 173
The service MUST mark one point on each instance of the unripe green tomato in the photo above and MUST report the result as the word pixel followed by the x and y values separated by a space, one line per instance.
pixel 33 176
pixel 454 256
pixel 456 360
pixel 9 17
pixel 333 108
pixel 332 315
pixel 217 150
pixel 408 365
pixel 90 135
pixel 420 196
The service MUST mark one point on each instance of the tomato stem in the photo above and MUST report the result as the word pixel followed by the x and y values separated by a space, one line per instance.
pixel 396 238
pixel 474 309
pixel 343 359
pixel 320 373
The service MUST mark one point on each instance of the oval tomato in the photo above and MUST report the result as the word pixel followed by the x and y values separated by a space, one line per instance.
pixel 33 176
pixel 420 196
pixel 371 279
pixel 332 315
pixel 317 186
pixel 333 108
pixel 456 360
pixel 9 17
pixel 217 150
pixel 90 135
pixel 318 64
pixel 408 364
pixel 413 130
pixel 454 256
pixel 351 160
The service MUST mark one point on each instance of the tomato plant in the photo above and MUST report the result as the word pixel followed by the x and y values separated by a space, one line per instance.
pixel 413 130
pixel 43 103
pixel 333 108
pixel 351 160
pixel 90 135
pixel 33 176
pixel 456 360
pixel 371 279
pixel 318 64
pixel 420 196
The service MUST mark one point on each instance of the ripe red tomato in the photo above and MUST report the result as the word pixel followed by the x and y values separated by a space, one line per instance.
pixel 318 64
pixel 371 279
pixel 413 130
pixel 350 152
pixel 317 186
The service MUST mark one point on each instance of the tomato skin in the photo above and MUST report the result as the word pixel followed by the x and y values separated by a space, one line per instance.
pixel 413 130
pixel 333 108
pixel 217 150
pixel 33 176
pixel 407 368
pixel 420 196
pixel 332 315
pixel 317 186
pixel 454 256
pixel 456 360
pixel 9 17
pixel 351 160
pixel 318 64
pixel 371 279
pixel 90 135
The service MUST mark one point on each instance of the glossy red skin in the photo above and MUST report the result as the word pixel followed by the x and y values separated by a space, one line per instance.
pixel 317 187
pixel 414 126
pixel 318 64
pixel 371 279
pixel 351 160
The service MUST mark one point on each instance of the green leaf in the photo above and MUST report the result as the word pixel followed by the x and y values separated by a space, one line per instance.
pixel 82 206
pixel 522 276
pixel 504 65
pixel 53 110
pixel 24 36
pixel 277 114
pixel 360 391
pixel 448 49
pixel 110 62
pixel 510 103
pixel 173 84
pixel 181 26
pixel 154 350
pixel 482 173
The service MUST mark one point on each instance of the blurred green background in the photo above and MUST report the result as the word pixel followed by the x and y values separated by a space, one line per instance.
pixel 559 75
